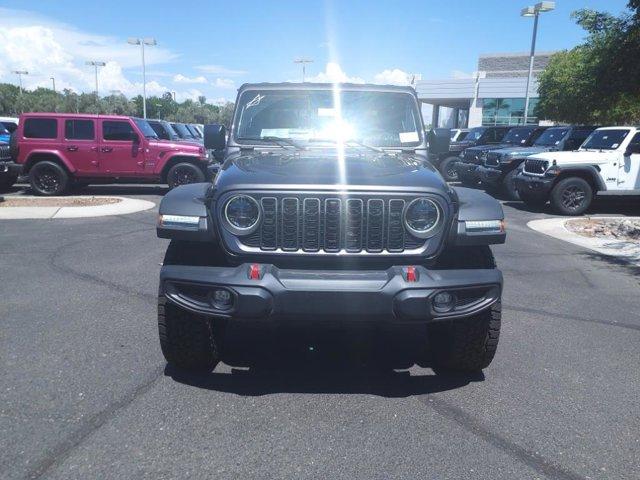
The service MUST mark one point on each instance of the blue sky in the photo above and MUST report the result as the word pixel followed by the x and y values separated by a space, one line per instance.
pixel 211 48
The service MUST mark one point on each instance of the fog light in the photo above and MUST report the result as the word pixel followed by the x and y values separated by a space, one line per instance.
pixel 444 301
pixel 222 299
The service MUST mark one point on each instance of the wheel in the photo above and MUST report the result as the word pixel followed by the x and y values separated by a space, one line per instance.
pixel 7 181
pixel 48 178
pixel 571 196
pixel 187 340
pixel 509 185
pixel 184 173
pixel 448 169
pixel 532 200
pixel 466 345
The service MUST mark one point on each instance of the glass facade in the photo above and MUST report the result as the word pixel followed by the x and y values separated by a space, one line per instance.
pixel 507 111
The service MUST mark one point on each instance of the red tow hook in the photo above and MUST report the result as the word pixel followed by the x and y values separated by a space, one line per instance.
pixel 254 271
pixel 410 274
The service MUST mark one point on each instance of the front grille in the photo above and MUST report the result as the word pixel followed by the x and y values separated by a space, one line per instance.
pixel 328 223
pixel 5 154
pixel 471 156
pixel 535 166
pixel 492 159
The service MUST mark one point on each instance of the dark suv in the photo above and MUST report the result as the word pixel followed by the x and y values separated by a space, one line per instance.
pixel 326 211
pixel 500 167
pixel 472 157
pixel 473 137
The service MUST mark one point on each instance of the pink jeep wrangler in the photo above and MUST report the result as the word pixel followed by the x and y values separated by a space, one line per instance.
pixel 57 151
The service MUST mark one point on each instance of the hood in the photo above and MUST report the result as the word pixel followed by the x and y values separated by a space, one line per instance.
pixel 519 151
pixel 322 169
pixel 484 148
pixel 576 158
pixel 175 145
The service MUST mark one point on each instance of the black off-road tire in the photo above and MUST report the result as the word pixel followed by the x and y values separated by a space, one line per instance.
pixel 509 186
pixel 447 168
pixel 571 196
pixel 183 174
pixel 467 345
pixel 7 181
pixel 187 340
pixel 48 179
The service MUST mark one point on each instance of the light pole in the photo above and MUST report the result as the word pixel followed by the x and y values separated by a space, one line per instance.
pixel 142 42
pixel 535 13
pixel 303 62
pixel 20 73
pixel 53 81
pixel 95 65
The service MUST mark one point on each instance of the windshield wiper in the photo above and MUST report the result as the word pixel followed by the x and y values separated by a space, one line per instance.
pixel 355 142
pixel 282 141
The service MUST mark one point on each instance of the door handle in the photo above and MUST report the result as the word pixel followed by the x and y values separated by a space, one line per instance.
pixel 72 148
pixel 140 164
pixel 95 162
pixel 94 149
pixel 106 149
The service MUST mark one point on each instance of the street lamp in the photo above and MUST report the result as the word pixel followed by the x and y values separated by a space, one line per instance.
pixel 534 12
pixel 95 65
pixel 142 42
pixel 303 62
pixel 20 73
pixel 53 80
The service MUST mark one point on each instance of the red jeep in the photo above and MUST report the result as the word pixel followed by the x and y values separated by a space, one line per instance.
pixel 57 151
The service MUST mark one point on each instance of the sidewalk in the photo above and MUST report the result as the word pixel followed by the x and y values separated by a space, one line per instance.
pixel 624 249
pixel 49 209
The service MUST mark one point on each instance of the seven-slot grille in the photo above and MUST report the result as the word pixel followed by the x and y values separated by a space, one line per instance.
pixel 332 224
pixel 472 156
pixel 492 159
pixel 5 154
pixel 535 166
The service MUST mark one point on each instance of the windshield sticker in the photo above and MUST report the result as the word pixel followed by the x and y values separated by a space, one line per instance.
pixel 615 145
pixel 255 101
pixel 409 137
pixel 326 112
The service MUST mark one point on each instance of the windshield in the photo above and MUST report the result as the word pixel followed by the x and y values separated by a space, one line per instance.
pixel 474 134
pixel 461 136
pixel 605 139
pixel 193 131
pixel 181 130
pixel 10 126
pixel 517 136
pixel 551 137
pixel 382 119
pixel 145 128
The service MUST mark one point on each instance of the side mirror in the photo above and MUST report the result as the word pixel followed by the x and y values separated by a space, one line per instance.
pixel 215 137
pixel 631 149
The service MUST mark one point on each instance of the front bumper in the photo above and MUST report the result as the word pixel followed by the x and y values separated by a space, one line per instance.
pixel 468 171
pixel 489 175
pixel 10 168
pixel 301 296
pixel 533 186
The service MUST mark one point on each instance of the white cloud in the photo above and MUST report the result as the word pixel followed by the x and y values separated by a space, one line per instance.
pixel 179 78
pixel 47 48
pixel 224 83
pixel 220 70
pixel 459 74
pixel 333 73
pixel 393 77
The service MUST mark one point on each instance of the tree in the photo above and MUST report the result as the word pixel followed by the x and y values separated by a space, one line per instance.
pixel 597 81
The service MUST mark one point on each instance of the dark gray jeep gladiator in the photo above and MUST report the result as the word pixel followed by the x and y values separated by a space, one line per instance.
pixel 326 210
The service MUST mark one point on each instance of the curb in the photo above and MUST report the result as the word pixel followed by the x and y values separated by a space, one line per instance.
pixel 628 251
pixel 123 207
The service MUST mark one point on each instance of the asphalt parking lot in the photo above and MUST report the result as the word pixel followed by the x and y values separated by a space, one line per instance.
pixel 85 392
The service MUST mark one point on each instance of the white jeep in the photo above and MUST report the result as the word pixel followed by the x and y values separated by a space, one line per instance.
pixel 607 163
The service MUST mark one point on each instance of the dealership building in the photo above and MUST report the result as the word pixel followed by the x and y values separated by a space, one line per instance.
pixel 495 95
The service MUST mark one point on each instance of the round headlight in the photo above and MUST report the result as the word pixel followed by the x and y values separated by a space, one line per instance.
pixel 242 214
pixel 421 217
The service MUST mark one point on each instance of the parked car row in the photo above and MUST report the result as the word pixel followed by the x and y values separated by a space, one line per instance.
pixel 59 151
pixel 567 166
